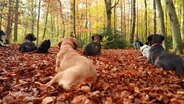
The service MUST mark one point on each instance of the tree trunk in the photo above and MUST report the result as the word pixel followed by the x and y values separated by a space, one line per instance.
pixel 146 19
pixel 38 22
pixel 46 19
pixel 86 19
pixel 182 22
pixel 125 19
pixel 133 22
pixel 155 17
pixel 9 23
pixel 16 20
pixel 176 33
pixel 52 24
pixel 114 21
pixel 137 21
pixel 109 7
pixel 33 14
pixel 121 6
pixel 1 10
pixel 61 14
pixel 73 19
pixel 161 19
pixel 108 13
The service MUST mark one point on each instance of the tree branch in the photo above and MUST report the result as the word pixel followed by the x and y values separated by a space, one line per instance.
pixel 116 3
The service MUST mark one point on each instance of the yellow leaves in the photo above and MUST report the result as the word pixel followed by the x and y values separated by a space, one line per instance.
pixel 48 100
pixel 85 89
pixel 180 92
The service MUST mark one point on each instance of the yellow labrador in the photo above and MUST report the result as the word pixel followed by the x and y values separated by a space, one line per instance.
pixel 71 67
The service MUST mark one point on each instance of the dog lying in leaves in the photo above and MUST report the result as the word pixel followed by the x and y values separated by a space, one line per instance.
pixel 159 57
pixel 2 35
pixel 44 46
pixel 94 47
pixel 28 45
pixel 71 67
pixel 144 48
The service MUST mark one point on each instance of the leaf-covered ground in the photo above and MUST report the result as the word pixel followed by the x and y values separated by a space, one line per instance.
pixel 123 78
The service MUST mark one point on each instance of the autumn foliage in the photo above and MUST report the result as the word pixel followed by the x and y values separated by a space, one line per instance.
pixel 123 78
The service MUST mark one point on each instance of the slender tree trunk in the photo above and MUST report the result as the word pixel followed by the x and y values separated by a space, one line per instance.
pixel 16 20
pixel 121 6
pixel 97 15
pixel 133 22
pixel 46 19
pixel 155 17
pixel 182 22
pixel 166 22
pixel 114 20
pixel 86 19
pixel 161 19
pixel 1 17
pixel 109 7
pixel 137 16
pixel 146 20
pixel 52 25
pixel 108 13
pixel 38 22
pixel 33 16
pixel 9 22
pixel 177 43
pixel 73 19
pixel 58 27
pixel 63 21
pixel 125 19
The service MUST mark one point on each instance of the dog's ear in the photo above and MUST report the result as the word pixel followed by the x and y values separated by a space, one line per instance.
pixel 2 32
pixel 150 38
pixel 101 37
pixel 49 40
pixel 59 44
pixel 147 43
pixel 92 38
pixel 162 37
pixel 75 43
pixel 141 44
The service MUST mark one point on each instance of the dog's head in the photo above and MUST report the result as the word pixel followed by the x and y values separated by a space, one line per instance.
pixel 97 38
pixel 2 33
pixel 155 38
pixel 30 37
pixel 69 41
pixel 46 43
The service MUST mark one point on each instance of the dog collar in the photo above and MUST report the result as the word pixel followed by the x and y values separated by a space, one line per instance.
pixel 155 44
pixel 26 40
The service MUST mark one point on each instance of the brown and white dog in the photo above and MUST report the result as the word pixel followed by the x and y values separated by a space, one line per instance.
pixel 71 67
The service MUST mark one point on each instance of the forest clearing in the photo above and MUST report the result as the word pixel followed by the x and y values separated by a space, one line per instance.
pixel 123 77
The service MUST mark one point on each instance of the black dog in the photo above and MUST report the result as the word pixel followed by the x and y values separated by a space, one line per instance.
pixel 159 57
pixel 2 34
pixel 44 46
pixel 94 47
pixel 28 45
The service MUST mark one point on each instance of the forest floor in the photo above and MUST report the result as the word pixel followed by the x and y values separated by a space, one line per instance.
pixel 123 78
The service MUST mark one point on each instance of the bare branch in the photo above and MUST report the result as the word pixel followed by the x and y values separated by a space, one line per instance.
pixel 116 3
